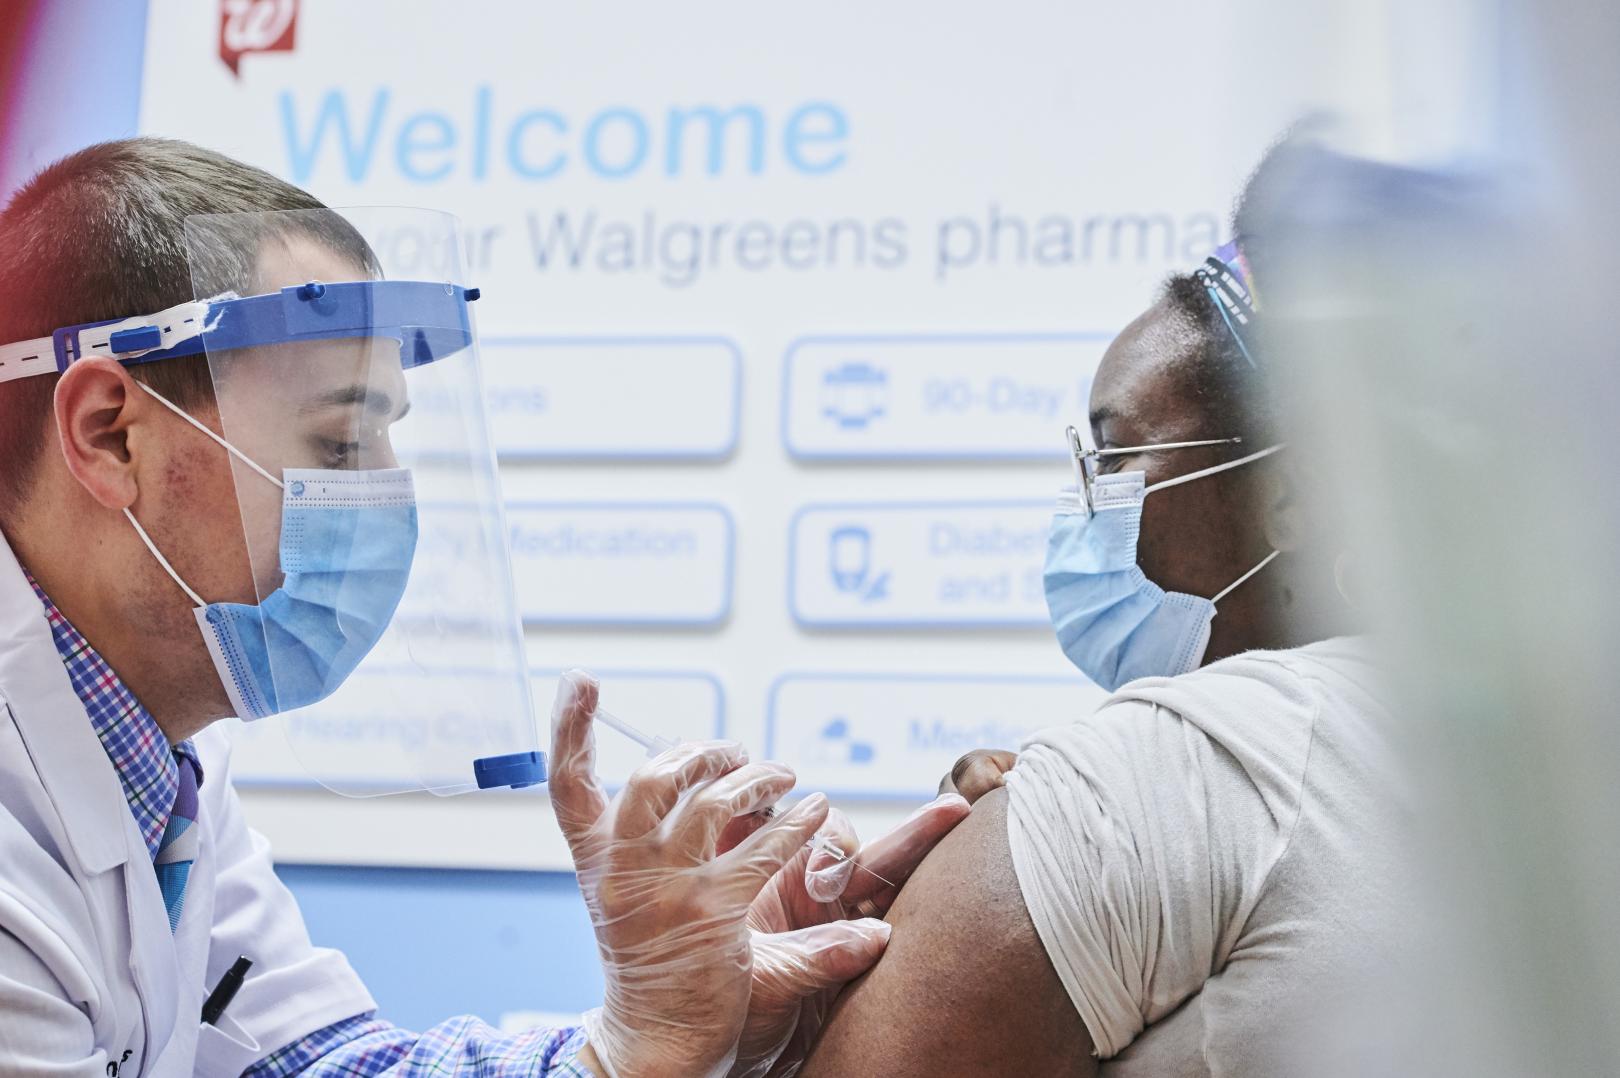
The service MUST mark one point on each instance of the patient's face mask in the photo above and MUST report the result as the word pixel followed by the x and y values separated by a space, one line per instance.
pixel 1112 622
pixel 347 542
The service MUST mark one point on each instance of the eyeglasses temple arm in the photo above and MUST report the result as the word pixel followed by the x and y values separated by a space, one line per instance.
pixel 1161 445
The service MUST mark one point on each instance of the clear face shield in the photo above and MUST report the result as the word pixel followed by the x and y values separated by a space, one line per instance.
pixel 382 627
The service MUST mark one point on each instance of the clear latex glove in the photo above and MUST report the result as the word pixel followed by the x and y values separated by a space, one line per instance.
pixel 805 945
pixel 669 911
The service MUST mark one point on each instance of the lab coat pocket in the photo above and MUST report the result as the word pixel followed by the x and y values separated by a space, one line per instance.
pixel 226 1048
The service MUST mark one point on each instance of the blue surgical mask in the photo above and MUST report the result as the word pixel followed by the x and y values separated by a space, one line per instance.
pixel 1112 622
pixel 347 541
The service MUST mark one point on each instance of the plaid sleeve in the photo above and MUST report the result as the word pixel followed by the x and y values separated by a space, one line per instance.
pixel 363 1047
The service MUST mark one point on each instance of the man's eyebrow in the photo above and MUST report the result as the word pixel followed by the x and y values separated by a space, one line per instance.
pixel 1103 414
pixel 374 400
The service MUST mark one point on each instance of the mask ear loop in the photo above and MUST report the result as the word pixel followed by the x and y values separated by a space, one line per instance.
pixel 1265 561
pixel 189 418
pixel 197 600
pixel 1190 476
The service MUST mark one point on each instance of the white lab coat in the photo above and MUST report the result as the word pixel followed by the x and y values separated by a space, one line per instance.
pixel 92 982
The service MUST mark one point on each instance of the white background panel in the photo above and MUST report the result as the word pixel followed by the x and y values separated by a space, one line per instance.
pixel 606 398
pixel 589 563
pixel 895 735
pixel 974 397
pixel 716 174
pixel 922 565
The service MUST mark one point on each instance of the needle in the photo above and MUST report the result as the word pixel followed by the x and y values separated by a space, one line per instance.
pixel 827 846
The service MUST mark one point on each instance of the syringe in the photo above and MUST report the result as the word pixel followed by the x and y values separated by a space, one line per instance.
pixel 655 744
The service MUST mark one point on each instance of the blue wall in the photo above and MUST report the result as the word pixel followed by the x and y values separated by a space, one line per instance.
pixel 432 943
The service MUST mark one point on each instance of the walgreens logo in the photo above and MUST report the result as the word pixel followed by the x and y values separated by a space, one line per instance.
pixel 255 26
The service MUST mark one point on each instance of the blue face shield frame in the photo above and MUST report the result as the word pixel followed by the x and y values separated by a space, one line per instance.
pixel 429 318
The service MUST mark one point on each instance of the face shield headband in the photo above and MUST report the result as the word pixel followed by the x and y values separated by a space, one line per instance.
pixel 429 319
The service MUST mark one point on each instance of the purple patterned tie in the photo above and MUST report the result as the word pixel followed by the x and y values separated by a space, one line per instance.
pixel 178 848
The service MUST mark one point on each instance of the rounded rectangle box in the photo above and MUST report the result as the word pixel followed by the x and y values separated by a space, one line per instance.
pixel 622 563
pixel 680 705
pixel 936 397
pixel 373 750
pixel 894 736
pixel 613 398
pixel 357 742
pixel 940 564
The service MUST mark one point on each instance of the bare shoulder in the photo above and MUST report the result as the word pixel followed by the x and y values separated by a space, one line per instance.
pixel 965 987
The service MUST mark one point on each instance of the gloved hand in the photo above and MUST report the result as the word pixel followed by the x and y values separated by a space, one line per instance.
pixel 979 772
pixel 805 948
pixel 669 913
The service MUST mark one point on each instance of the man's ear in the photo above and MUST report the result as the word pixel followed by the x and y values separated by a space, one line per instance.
pixel 96 404
pixel 1282 514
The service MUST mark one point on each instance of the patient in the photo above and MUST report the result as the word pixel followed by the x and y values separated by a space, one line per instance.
pixel 1159 888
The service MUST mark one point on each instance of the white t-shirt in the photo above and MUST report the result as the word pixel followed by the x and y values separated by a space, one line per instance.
pixel 1209 861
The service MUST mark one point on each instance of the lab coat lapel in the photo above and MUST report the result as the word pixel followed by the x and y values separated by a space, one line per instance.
pixel 72 765
pixel 153 962
pixel 84 789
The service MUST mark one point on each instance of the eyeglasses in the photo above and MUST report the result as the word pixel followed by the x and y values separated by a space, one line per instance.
pixel 1085 460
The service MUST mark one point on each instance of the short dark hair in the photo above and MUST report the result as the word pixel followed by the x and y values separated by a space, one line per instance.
pixel 100 235
pixel 1225 386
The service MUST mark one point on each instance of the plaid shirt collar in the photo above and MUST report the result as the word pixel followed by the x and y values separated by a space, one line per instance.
pixel 130 735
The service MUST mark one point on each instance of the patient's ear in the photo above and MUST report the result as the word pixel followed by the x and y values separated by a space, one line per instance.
pixel 1282 514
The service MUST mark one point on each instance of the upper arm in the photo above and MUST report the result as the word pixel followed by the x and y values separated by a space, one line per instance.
pixel 965 987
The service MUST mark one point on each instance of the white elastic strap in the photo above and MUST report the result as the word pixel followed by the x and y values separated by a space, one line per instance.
pixel 27 358
pixel 182 322
pixel 183 414
pixel 1265 561
pixel 1190 476
pixel 196 600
